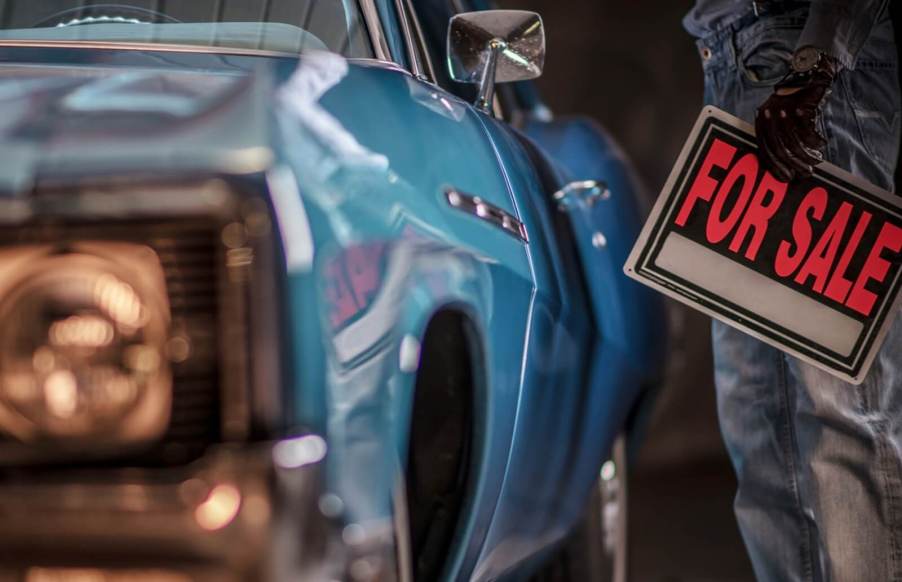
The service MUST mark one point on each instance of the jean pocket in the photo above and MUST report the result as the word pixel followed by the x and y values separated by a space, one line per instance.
pixel 766 61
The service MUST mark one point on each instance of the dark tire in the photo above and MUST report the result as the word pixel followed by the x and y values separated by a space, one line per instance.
pixel 440 453
pixel 597 549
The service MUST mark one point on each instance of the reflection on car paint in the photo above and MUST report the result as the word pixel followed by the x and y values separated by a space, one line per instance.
pixel 297 241
pixel 171 94
pixel 442 103
pixel 351 280
pixel 317 73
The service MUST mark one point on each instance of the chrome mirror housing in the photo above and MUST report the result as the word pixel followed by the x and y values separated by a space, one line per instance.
pixel 495 46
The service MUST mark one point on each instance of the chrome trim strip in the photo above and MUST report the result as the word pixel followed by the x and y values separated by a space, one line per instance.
pixel 377 33
pixel 487 212
pixel 98 45
pixel 135 46
pixel 414 60
pixel 421 42
pixel 380 64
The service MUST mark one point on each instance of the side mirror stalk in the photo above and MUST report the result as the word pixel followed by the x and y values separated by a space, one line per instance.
pixel 487 82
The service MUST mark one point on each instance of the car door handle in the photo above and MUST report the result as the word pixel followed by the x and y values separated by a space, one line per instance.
pixel 589 192
pixel 486 212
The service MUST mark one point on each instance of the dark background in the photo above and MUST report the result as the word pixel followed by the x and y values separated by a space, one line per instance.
pixel 630 65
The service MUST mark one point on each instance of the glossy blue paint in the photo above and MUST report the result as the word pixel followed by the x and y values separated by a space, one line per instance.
pixel 384 199
pixel 540 499
pixel 361 157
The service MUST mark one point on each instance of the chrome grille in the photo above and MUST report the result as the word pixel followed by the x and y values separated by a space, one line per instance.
pixel 190 253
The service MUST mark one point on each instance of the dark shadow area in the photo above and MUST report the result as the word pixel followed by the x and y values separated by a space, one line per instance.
pixel 682 526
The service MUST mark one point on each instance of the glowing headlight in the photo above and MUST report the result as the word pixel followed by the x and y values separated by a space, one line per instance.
pixel 83 344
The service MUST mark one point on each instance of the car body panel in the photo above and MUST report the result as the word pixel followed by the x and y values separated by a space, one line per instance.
pixel 541 499
pixel 398 205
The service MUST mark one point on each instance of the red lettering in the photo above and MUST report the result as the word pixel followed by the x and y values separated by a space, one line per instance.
pixel 720 154
pixel 838 288
pixel 875 269
pixel 364 271
pixel 759 214
pixel 823 256
pixel 814 203
pixel 338 295
pixel 746 169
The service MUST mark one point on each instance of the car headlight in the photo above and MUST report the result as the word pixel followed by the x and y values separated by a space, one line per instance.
pixel 83 344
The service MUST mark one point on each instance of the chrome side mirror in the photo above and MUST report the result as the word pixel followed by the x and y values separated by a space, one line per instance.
pixel 495 46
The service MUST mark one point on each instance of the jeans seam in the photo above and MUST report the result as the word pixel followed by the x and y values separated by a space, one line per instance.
pixel 891 480
pixel 790 442
pixel 827 132
pixel 891 502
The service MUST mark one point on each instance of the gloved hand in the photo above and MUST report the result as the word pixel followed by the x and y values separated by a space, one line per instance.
pixel 786 124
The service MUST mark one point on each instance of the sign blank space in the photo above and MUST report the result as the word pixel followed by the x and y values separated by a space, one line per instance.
pixel 755 292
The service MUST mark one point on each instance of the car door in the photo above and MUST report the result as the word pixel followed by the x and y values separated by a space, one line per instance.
pixel 606 197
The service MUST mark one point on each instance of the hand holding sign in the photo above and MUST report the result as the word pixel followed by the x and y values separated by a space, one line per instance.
pixel 786 124
pixel 811 266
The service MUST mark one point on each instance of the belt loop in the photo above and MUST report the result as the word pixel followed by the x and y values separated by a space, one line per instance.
pixel 756 8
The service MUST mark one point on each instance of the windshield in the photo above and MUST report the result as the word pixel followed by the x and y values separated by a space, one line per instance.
pixel 290 26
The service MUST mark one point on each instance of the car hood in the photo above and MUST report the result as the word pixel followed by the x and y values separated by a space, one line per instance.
pixel 68 122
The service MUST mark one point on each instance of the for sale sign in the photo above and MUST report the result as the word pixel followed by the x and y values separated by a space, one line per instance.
pixel 812 267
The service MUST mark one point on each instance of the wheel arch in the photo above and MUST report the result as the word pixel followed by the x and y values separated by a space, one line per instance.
pixel 447 425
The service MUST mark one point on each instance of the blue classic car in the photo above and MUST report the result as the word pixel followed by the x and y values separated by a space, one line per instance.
pixel 290 291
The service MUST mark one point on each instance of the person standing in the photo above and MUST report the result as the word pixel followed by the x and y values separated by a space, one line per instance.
pixel 818 461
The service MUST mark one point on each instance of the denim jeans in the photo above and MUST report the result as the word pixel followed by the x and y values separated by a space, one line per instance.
pixel 818 461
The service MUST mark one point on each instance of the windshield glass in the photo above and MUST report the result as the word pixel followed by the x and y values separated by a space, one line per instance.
pixel 291 26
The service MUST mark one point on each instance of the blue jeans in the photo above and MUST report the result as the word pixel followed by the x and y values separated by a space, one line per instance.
pixel 818 461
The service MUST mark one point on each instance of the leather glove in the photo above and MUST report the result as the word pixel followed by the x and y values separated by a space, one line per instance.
pixel 786 124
